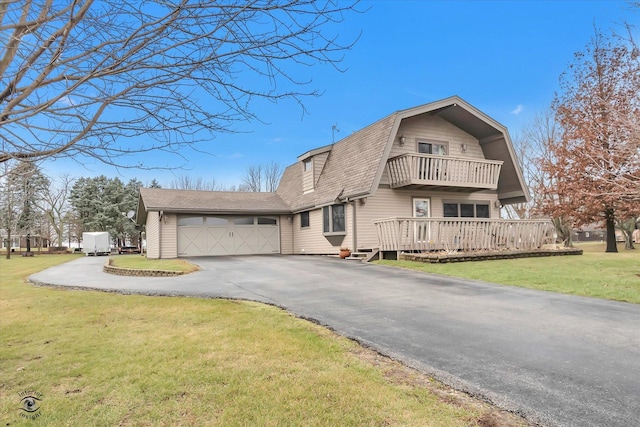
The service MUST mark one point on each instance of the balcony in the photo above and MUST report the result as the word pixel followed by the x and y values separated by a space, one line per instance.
pixel 457 234
pixel 412 170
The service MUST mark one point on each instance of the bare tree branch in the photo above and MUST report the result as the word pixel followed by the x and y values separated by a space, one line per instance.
pixel 87 76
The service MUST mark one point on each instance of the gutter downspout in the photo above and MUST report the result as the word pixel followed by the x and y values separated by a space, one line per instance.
pixel 160 217
pixel 354 226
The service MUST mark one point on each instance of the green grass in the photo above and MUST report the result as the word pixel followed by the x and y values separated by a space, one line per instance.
pixel 143 263
pixel 598 274
pixel 102 359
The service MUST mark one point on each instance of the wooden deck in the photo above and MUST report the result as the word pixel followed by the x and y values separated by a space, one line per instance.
pixel 443 257
pixel 443 171
pixel 452 235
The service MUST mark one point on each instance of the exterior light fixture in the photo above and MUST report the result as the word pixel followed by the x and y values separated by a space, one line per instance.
pixel 403 139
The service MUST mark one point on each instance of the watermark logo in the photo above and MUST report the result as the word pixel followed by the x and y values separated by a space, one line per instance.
pixel 30 403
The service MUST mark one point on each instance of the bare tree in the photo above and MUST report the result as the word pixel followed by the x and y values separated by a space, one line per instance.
pixel 56 206
pixel 82 77
pixel 252 180
pixel 186 182
pixel 272 174
pixel 262 177
pixel 536 147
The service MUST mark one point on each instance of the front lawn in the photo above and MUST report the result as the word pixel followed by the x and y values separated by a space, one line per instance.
pixel 108 359
pixel 613 276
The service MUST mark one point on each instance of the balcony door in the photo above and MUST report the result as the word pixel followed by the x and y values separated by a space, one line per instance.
pixel 422 229
pixel 431 168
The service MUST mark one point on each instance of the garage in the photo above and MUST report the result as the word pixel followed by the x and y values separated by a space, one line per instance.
pixel 206 235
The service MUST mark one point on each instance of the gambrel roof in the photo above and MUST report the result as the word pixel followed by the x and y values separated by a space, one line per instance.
pixel 355 164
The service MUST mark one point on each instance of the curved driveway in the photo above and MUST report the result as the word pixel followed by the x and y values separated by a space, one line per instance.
pixel 557 359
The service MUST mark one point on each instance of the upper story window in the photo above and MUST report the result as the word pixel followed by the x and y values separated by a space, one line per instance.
pixel 437 148
pixel 308 165
pixel 333 219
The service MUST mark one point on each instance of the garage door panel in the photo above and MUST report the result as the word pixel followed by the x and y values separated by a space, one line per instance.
pixel 219 241
pixel 245 240
pixel 267 240
pixel 190 241
pixel 228 235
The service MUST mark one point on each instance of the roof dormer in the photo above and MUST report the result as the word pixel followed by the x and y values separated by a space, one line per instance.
pixel 312 163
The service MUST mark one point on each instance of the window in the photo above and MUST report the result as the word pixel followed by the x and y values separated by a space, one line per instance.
pixel 465 210
pixel 482 211
pixel 214 220
pixel 304 219
pixel 421 208
pixel 190 220
pixel 437 148
pixel 451 210
pixel 308 165
pixel 246 220
pixel 267 221
pixel 333 219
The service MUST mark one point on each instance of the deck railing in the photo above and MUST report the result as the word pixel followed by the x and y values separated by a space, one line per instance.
pixel 448 234
pixel 427 169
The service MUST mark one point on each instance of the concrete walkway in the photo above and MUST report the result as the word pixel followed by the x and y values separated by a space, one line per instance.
pixel 557 359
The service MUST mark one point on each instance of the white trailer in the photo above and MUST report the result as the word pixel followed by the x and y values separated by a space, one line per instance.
pixel 96 243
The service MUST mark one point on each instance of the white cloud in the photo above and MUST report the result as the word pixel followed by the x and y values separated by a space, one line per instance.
pixel 519 109
pixel 66 101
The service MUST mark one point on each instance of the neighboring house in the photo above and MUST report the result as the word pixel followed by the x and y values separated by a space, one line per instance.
pixel 431 177
pixel 593 233
pixel 20 240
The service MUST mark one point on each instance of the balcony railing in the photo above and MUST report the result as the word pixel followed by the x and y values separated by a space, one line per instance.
pixel 431 170
pixel 448 234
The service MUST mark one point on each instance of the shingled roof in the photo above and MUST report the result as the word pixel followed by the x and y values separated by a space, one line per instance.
pixel 353 168
pixel 350 169
pixel 209 202
pixel 355 164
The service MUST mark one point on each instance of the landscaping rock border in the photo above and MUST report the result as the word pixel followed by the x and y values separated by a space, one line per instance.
pixel 119 271
pixel 443 257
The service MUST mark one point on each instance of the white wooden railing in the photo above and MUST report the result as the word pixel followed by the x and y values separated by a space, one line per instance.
pixel 451 235
pixel 427 169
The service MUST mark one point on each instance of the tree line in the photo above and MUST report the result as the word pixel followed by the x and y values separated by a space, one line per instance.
pixel 61 209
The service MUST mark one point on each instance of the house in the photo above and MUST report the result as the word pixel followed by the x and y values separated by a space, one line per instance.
pixel 431 177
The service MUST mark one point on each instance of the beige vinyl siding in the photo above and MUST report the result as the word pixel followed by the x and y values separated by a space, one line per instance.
pixel 153 248
pixel 310 240
pixel 169 238
pixel 426 129
pixel 307 180
pixel 310 177
pixel 286 234
pixel 391 203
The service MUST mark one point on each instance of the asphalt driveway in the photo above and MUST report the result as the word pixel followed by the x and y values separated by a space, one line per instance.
pixel 557 359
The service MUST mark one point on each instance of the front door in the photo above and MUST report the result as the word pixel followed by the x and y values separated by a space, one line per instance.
pixel 422 229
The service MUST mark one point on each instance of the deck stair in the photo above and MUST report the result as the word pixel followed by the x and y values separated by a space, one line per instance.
pixel 364 255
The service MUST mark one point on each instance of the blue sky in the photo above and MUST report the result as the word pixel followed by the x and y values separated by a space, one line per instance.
pixel 504 57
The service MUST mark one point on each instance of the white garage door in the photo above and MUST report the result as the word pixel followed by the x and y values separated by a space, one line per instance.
pixel 227 235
